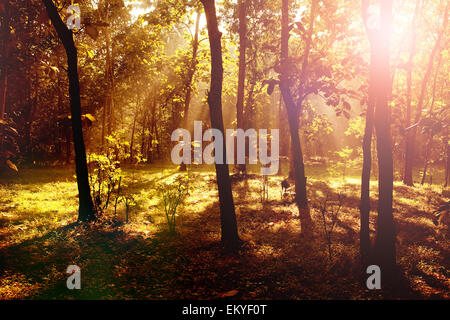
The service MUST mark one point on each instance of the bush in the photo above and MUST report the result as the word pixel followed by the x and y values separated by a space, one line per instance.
pixel 105 177
pixel 173 194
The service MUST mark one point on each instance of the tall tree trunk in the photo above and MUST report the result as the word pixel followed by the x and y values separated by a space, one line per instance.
pixel 86 207
pixel 408 176
pixel 364 232
pixel 191 73
pixel 427 155
pixel 385 255
pixel 230 237
pixel 293 113
pixel 3 90
pixel 109 79
pixel 192 70
pixel 280 126
pixel 423 91
pixel 5 55
pixel 133 130
pixel 242 10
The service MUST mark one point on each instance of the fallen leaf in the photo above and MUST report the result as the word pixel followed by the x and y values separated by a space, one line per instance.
pixel 12 165
pixel 231 293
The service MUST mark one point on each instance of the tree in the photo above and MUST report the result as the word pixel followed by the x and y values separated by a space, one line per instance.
pixel 408 176
pixel 230 237
pixel 364 233
pixel 5 45
pixel 380 90
pixel 190 75
pixel 86 207
pixel 412 131
pixel 291 106
pixel 242 10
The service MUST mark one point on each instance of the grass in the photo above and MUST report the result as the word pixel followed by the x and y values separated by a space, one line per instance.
pixel 140 260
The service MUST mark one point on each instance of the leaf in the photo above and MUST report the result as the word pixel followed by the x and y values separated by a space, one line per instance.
pixel 90 117
pixel 90 53
pixel 231 293
pixel 12 165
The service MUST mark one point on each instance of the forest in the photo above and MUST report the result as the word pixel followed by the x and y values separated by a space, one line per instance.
pixel 224 149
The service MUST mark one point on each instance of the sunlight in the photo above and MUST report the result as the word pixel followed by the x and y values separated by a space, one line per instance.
pixel 138 9
pixel 91 178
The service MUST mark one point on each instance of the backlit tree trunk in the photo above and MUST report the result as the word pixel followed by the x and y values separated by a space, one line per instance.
pixel 385 255
pixel 364 235
pixel 86 207
pixel 293 113
pixel 242 68
pixel 191 73
pixel 230 236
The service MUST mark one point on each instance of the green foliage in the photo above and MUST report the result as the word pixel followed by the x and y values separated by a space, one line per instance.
pixel 104 178
pixel 355 128
pixel 173 193
pixel 345 160
pixel 105 175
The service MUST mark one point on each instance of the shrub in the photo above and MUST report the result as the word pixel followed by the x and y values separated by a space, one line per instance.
pixel 173 193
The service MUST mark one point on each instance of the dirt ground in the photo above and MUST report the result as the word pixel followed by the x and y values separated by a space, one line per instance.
pixel 39 238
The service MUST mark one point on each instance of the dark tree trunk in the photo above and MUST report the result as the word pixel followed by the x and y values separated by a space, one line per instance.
pixel 385 255
pixel 3 90
pixel 292 113
pixel 230 237
pixel 364 234
pixel 5 54
pixel 242 8
pixel 427 157
pixel 86 207
pixel 280 126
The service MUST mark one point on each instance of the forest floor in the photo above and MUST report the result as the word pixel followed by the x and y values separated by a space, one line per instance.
pixel 39 239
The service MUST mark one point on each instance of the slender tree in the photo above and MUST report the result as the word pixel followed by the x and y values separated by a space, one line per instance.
pixel 412 131
pixel 292 108
pixel 242 10
pixel 230 237
pixel 381 90
pixel 190 76
pixel 86 207
pixel 4 32
pixel 364 235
